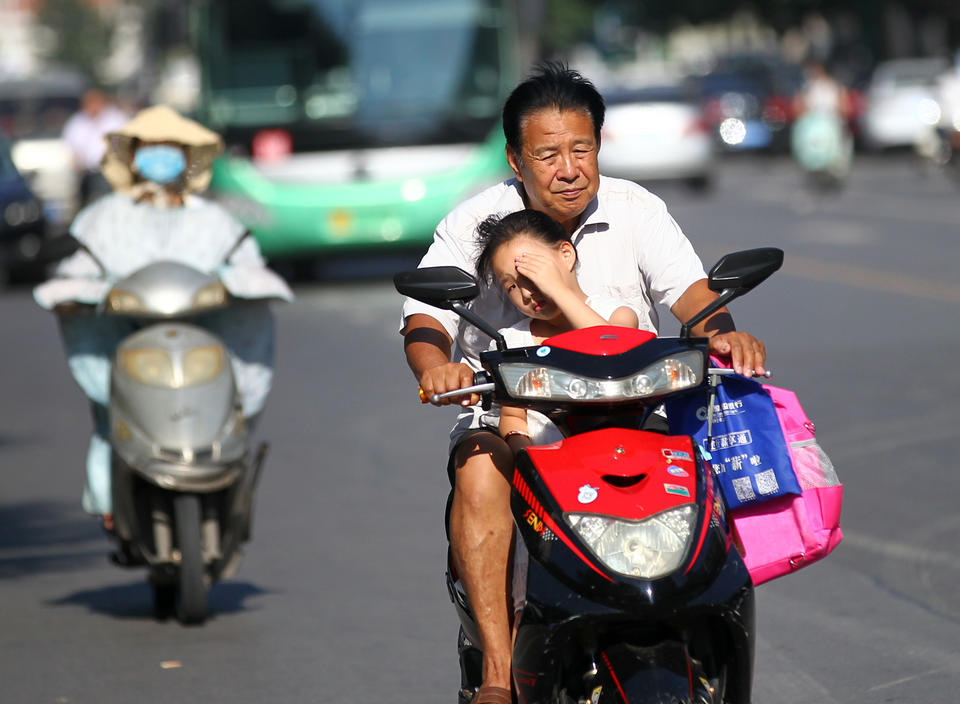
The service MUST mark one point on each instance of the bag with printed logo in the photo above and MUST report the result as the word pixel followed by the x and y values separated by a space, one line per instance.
pixel 781 536
pixel 776 535
pixel 743 442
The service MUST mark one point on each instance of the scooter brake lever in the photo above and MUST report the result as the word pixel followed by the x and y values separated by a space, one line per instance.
pixel 714 371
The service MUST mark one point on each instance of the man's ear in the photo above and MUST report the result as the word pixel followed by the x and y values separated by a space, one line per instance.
pixel 513 159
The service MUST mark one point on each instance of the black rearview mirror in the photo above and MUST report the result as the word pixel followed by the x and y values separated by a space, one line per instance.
pixel 447 287
pixel 734 275
pixel 438 286
pixel 743 271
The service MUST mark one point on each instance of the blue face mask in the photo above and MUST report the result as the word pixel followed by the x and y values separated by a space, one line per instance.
pixel 160 163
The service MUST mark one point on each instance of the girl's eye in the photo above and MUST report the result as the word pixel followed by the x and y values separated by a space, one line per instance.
pixel 510 287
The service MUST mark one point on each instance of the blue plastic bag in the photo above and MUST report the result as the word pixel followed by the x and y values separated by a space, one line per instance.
pixel 746 448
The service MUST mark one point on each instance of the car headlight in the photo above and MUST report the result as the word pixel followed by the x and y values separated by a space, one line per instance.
pixel 156 367
pixel 647 549
pixel 211 296
pixel 120 301
pixel 674 373
pixel 21 212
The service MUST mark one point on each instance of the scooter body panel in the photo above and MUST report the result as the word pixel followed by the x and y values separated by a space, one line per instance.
pixel 575 607
pixel 169 410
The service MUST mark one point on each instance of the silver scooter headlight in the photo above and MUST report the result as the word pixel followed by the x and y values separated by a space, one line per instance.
pixel 156 367
pixel 648 549
pixel 120 301
pixel 211 296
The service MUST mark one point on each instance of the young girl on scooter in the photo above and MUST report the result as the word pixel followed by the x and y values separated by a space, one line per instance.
pixel 533 259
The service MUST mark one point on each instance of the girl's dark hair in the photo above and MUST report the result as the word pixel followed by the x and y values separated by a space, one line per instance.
pixel 498 230
pixel 552 85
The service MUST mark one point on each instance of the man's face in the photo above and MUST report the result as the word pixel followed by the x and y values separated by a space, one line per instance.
pixel 558 163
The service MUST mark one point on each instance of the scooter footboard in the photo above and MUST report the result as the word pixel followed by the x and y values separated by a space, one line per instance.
pixel 660 673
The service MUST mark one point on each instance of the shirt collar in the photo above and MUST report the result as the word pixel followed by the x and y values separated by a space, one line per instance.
pixel 594 217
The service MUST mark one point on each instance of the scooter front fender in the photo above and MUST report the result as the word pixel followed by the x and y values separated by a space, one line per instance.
pixel 661 673
pixel 193 478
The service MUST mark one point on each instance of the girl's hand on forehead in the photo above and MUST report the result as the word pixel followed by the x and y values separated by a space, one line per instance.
pixel 544 271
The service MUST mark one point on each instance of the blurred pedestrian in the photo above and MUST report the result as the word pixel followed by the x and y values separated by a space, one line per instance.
pixel 820 139
pixel 84 133
pixel 156 164
pixel 821 92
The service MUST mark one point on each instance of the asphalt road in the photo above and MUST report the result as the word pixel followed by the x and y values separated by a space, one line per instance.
pixel 340 596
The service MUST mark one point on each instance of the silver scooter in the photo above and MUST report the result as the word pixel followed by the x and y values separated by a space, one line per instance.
pixel 183 474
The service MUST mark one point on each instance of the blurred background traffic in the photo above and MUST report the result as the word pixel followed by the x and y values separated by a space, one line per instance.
pixel 354 126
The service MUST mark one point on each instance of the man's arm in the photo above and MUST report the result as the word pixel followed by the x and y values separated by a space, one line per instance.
pixel 427 346
pixel 747 354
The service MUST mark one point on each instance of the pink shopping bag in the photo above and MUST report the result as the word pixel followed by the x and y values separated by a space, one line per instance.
pixel 785 534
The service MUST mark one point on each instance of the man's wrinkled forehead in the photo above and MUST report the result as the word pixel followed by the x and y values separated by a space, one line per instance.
pixel 527 117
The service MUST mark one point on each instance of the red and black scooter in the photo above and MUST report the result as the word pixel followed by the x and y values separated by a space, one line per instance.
pixel 631 589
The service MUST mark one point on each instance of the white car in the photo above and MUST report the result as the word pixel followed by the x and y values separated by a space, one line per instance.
pixel 901 103
pixel 32 114
pixel 656 133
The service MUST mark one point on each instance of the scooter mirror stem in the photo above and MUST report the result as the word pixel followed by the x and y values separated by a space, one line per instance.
pixel 725 297
pixel 103 269
pixel 472 317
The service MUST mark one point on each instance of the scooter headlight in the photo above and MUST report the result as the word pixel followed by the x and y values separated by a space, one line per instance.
pixel 648 549
pixel 120 301
pixel 151 366
pixel 674 373
pixel 156 367
pixel 211 296
pixel 202 364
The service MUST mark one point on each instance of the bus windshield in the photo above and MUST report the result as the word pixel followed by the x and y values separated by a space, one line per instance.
pixel 348 73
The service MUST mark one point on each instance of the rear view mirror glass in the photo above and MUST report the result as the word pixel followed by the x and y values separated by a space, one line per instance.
pixel 439 286
pixel 742 271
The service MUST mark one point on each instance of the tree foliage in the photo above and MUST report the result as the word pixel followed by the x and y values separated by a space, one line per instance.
pixel 82 35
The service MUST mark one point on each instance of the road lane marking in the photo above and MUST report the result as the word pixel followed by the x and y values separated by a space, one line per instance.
pixel 870 279
pixel 901 551
pixel 911 678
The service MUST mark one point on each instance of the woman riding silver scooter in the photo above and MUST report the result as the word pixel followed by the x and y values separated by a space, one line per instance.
pixel 156 163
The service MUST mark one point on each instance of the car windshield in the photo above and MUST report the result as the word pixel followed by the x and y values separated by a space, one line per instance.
pixel 338 72
pixel 715 84
pixel 34 110
pixel 7 170
pixel 650 94
pixel 919 73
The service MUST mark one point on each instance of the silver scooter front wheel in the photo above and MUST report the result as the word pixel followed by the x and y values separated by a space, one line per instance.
pixel 191 597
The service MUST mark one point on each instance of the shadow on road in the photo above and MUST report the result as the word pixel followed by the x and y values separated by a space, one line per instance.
pixel 135 600
pixel 44 536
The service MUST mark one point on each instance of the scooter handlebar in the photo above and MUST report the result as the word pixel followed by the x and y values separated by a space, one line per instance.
pixel 465 391
pixel 714 371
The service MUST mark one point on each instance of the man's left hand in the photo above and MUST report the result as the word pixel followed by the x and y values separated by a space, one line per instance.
pixel 745 352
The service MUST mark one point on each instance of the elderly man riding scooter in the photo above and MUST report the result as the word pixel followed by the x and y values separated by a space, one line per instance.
pixel 156 164
pixel 629 248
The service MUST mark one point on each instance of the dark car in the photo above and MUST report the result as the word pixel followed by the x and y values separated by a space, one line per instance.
pixel 748 101
pixel 23 247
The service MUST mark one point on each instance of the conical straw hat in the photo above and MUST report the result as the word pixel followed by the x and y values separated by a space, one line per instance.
pixel 161 124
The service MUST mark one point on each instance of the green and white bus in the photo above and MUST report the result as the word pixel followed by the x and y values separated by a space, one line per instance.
pixel 354 124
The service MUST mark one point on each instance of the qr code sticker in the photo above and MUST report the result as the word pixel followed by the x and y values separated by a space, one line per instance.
pixel 767 482
pixel 743 489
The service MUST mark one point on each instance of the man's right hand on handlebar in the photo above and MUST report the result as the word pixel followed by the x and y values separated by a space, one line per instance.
pixel 448 377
